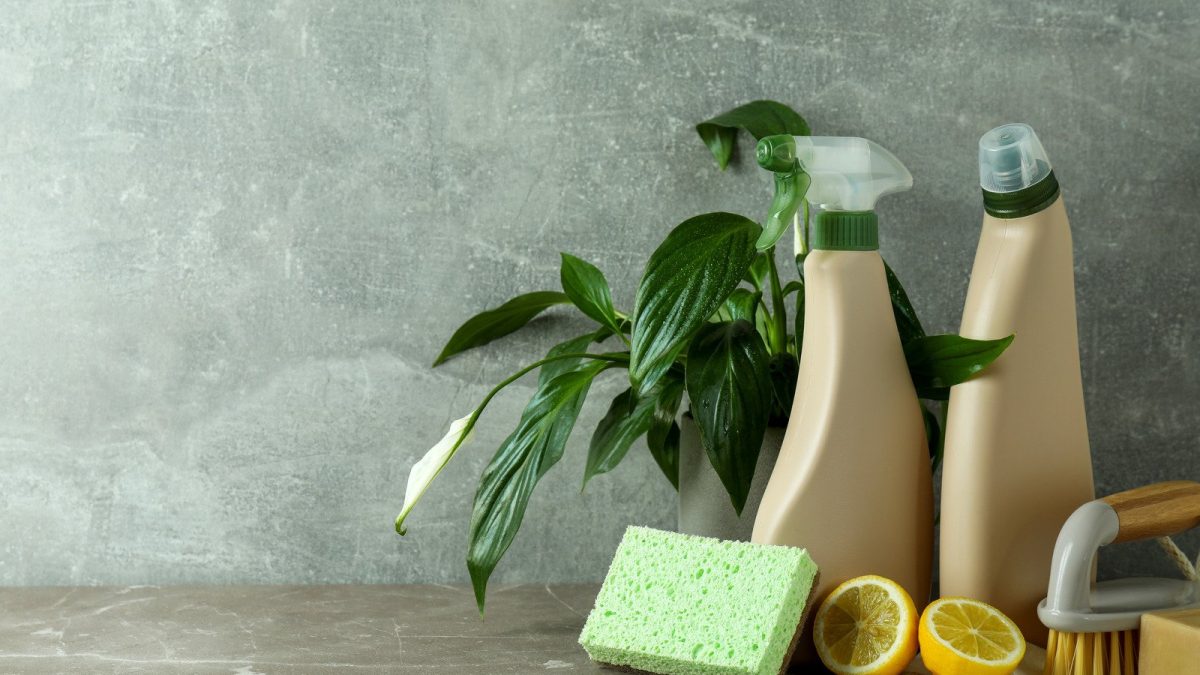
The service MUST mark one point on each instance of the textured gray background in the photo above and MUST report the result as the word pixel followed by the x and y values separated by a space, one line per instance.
pixel 233 235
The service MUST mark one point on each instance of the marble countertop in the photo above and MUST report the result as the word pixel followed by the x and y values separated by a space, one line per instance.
pixel 302 629
pixel 294 629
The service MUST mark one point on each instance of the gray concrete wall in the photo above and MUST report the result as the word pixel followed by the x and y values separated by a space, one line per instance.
pixel 233 236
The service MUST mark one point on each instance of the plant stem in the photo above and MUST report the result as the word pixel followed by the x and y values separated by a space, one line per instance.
pixel 622 358
pixel 621 318
pixel 779 315
pixel 762 302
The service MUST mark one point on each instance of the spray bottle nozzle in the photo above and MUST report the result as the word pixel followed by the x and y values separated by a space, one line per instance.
pixel 834 173
pixel 848 174
pixel 776 153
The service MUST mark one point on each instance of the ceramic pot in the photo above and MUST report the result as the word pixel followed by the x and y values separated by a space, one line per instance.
pixel 704 506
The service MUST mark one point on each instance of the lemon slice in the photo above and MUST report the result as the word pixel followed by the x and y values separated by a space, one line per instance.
pixel 960 636
pixel 868 625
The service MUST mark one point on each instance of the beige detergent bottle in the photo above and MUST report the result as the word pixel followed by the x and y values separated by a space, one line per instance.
pixel 1017 463
pixel 852 482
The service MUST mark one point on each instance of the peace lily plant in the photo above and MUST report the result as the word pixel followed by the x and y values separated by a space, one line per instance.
pixel 710 319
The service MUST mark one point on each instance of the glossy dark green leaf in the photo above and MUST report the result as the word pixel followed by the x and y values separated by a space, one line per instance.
pixel 500 321
pixel 938 361
pixel 523 458
pixel 759 118
pixel 742 303
pixel 730 390
pixel 625 421
pixel 666 452
pixel 585 284
pixel 907 323
pixel 782 371
pixel 576 345
pixel 663 436
pixel 687 278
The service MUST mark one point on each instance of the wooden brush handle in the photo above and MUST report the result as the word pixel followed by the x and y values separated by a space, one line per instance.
pixel 1157 510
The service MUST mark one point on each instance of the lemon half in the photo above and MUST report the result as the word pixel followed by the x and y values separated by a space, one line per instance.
pixel 867 625
pixel 960 636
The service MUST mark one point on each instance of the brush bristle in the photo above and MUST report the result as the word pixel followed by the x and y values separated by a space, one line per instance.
pixel 1092 653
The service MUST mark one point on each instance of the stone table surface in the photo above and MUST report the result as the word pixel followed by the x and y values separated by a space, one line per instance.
pixel 301 629
pixel 293 629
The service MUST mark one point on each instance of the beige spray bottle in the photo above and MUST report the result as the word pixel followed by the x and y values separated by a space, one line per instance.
pixel 852 482
pixel 1016 448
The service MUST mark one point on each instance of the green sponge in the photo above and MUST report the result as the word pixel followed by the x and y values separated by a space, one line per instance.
pixel 675 603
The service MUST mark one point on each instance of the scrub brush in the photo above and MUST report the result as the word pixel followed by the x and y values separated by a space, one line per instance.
pixel 1093 629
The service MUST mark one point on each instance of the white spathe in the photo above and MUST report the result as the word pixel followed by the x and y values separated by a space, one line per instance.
pixel 429 466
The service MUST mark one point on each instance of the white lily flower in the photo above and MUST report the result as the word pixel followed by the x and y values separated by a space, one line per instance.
pixel 425 470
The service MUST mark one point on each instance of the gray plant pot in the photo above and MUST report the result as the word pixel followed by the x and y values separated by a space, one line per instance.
pixel 704 506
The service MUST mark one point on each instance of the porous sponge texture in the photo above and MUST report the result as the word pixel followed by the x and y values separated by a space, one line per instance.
pixel 687 605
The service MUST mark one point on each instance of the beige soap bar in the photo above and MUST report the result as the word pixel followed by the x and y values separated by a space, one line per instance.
pixel 1170 643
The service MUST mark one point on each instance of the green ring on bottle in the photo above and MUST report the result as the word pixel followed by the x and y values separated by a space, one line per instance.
pixel 846 231
pixel 1023 202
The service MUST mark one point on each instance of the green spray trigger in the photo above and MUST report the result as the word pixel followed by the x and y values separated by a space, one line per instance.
pixel 778 155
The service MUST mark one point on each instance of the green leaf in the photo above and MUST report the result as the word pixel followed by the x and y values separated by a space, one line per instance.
pixel 585 284
pixel 663 437
pixel 742 303
pixel 665 451
pixel 523 458
pixel 687 278
pixel 793 286
pixel 782 371
pixel 939 361
pixel 496 323
pixel 907 322
pixel 764 323
pixel 759 118
pixel 576 345
pixel 799 321
pixel 730 391
pixel 760 272
pixel 625 421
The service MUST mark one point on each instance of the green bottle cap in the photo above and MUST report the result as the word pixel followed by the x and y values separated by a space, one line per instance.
pixel 846 231
pixel 1023 202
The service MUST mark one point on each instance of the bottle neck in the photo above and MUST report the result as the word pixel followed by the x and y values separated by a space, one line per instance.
pixel 1023 202
pixel 846 231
